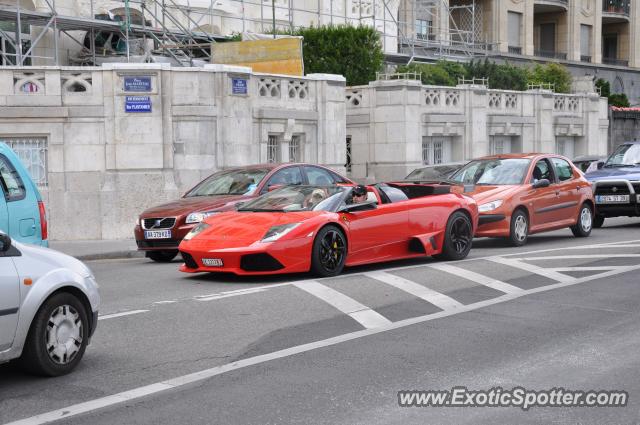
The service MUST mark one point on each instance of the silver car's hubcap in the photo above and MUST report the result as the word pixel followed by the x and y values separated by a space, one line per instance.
pixel 521 228
pixel 585 219
pixel 64 334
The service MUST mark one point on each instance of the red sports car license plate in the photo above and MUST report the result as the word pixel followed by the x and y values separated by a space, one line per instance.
pixel 212 262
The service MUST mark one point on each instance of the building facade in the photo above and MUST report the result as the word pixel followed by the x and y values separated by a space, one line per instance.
pixel 104 144
pixel 396 126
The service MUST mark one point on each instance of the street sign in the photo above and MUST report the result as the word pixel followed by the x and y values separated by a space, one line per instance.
pixel 137 84
pixel 239 86
pixel 137 104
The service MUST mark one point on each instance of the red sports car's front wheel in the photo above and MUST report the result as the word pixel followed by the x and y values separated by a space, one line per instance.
pixel 329 252
pixel 458 237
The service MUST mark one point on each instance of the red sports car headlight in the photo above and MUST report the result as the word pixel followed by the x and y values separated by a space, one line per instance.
pixel 276 232
pixel 196 231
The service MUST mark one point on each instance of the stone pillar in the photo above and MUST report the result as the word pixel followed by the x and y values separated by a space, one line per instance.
pixel 500 26
pixel 596 33
pixel 527 18
pixel 634 35
pixel 234 138
pixel 332 115
pixel 545 140
pixel 573 32
pixel 443 22
pixel 595 124
pixel 396 142
pixel 475 138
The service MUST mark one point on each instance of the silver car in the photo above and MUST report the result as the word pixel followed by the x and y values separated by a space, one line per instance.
pixel 48 308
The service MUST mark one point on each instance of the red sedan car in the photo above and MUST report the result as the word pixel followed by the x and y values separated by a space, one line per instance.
pixel 160 229
pixel 522 194
pixel 322 229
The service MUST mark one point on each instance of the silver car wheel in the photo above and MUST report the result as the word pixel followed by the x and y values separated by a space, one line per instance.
pixel 63 336
pixel 521 228
pixel 586 220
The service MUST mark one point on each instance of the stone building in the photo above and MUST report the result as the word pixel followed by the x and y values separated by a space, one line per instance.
pixel 396 126
pixel 105 143
pixel 597 38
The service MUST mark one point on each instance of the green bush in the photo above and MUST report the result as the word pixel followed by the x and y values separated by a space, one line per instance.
pixel 435 74
pixel 552 73
pixel 615 99
pixel 604 86
pixel 619 99
pixel 500 76
pixel 355 52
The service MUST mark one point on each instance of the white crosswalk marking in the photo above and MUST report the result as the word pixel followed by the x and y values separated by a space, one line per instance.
pixel 579 257
pixel 358 312
pixel 586 268
pixel 478 278
pixel 436 298
pixel 563 278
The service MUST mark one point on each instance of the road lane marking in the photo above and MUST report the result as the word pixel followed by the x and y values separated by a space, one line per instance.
pixel 175 383
pixel 230 294
pixel 512 262
pixel 359 312
pixel 585 269
pixel 478 278
pixel 579 257
pixel 438 299
pixel 121 314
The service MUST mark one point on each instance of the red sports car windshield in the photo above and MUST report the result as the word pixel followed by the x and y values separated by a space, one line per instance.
pixel 299 198
pixel 232 182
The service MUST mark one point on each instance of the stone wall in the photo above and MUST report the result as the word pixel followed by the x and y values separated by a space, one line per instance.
pixel 103 165
pixel 396 126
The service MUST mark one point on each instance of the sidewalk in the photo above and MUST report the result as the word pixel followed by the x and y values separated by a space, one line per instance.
pixel 98 249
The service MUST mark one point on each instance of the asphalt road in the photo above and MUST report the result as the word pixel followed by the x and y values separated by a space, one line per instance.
pixel 217 349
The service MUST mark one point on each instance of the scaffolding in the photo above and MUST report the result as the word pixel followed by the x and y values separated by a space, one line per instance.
pixel 181 31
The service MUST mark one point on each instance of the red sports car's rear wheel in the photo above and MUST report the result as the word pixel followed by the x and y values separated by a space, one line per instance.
pixel 457 238
pixel 329 252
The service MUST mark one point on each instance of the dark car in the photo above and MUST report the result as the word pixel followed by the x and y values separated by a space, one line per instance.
pixel 435 171
pixel 616 186
pixel 160 229
pixel 588 163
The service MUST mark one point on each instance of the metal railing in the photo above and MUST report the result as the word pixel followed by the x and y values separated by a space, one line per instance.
pixel 550 54
pixel 399 76
pixel 515 50
pixel 613 61
pixel 620 7
pixel 585 58
pixel 474 81
pixel 541 86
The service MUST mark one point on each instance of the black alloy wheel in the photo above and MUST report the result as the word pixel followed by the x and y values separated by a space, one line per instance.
pixel 329 252
pixel 458 237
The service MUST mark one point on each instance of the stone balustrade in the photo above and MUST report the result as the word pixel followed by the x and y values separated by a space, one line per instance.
pixel 395 126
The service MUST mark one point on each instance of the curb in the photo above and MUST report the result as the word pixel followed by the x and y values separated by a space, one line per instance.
pixel 113 255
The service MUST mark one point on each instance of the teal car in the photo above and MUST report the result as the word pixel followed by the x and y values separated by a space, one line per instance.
pixel 22 212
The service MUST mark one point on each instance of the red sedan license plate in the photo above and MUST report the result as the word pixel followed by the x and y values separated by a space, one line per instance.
pixel 212 262
pixel 157 234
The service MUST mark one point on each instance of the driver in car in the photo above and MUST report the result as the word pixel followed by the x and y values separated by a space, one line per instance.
pixel 359 194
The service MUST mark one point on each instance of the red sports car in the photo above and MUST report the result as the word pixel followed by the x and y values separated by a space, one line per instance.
pixel 325 228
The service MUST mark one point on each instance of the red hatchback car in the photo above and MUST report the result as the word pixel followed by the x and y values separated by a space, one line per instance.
pixel 160 229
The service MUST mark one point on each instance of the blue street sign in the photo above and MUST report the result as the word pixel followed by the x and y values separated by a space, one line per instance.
pixel 137 84
pixel 137 104
pixel 239 86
